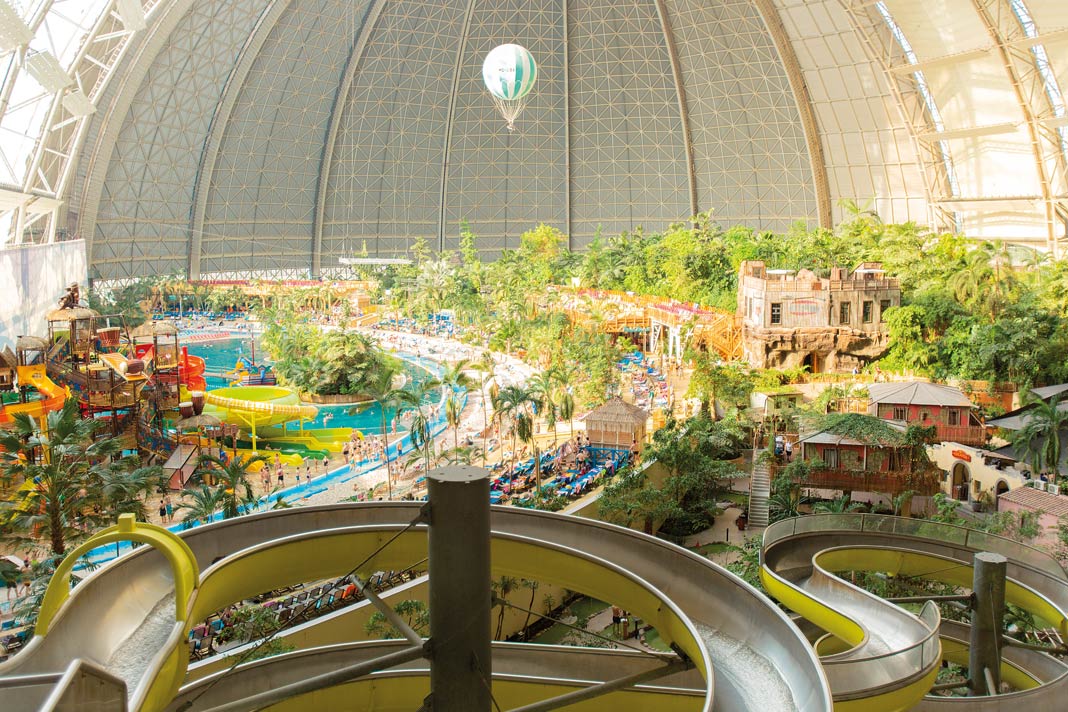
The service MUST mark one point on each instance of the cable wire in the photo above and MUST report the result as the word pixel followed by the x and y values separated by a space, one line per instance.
pixel 501 601
pixel 247 655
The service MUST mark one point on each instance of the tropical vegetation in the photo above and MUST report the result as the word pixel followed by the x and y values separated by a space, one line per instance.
pixel 65 480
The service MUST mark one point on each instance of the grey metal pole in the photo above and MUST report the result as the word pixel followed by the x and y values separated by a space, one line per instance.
pixel 459 568
pixel 988 612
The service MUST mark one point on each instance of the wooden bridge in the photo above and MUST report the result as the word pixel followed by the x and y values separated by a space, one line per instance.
pixel 613 312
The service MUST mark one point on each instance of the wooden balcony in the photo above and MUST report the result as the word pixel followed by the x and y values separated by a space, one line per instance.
pixel 963 434
pixel 925 482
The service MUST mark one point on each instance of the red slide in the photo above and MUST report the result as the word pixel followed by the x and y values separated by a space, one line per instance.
pixel 191 371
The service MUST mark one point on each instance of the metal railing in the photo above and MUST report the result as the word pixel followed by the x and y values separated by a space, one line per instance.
pixel 937 532
pixel 856 675
pixel 82 687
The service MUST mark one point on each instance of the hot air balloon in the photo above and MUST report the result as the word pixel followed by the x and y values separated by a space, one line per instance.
pixel 509 72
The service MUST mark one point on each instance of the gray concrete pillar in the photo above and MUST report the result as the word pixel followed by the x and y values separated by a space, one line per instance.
pixel 459 567
pixel 988 612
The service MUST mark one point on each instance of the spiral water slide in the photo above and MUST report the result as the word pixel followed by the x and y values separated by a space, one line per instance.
pixel 878 656
pixel 53 396
pixel 122 620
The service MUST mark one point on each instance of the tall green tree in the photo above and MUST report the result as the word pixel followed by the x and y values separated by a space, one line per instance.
pixel 231 476
pixel 413 399
pixel 512 402
pixel 200 504
pixel 65 480
pixel 455 381
pixel 1040 437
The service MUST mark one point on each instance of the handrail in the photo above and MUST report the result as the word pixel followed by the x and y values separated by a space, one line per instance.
pixel 183 565
pixel 82 698
pixel 940 532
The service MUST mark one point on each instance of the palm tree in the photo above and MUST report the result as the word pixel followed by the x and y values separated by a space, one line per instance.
pixel 532 586
pixel 200 505
pixel 840 505
pixel 460 456
pixel 1040 437
pixel 127 491
pixel 524 427
pixel 413 399
pixel 542 391
pixel 232 477
pixel 485 375
pixel 455 380
pixel 503 588
pixel 378 385
pixel 565 401
pixel 511 401
pixel 59 471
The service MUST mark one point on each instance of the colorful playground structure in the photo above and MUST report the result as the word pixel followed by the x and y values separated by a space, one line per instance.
pixel 736 650
pixel 153 393
pixel 247 373
pixel 50 396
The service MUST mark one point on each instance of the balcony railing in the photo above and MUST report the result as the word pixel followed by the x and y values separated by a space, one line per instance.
pixel 963 434
pixel 924 482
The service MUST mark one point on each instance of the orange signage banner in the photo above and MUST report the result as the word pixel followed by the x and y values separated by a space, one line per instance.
pixel 961 455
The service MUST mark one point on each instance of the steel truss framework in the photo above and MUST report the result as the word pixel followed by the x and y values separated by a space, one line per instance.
pixel 272 138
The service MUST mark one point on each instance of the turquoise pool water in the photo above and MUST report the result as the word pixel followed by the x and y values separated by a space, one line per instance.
pixel 215 358
pixel 220 356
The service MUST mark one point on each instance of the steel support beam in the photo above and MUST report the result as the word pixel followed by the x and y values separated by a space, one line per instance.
pixel 459 592
pixel 884 50
pixel 567 125
pixel 220 119
pixel 680 95
pixel 1004 28
pixel 386 610
pixel 330 679
pixel 799 88
pixel 337 113
pixel 444 191
pixel 605 688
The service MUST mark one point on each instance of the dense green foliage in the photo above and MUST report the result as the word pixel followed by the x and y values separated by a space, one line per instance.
pixel 79 480
pixel 255 624
pixel 331 363
pixel 695 460
pixel 970 310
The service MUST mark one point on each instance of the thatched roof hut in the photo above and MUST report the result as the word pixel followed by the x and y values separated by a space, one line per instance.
pixel 616 424
pixel 155 328
pixel 72 314
pixel 31 343
pixel 8 364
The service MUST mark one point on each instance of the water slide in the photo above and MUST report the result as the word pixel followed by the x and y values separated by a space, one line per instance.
pixel 53 395
pixel 126 619
pixel 253 407
pixel 286 448
pixel 878 656
pixel 747 655
pixel 328 439
pixel 191 371
pixel 190 368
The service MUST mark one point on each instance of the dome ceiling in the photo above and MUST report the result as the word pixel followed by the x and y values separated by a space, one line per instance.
pixel 274 138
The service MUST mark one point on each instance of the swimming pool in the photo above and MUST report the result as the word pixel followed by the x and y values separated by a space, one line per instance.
pixel 221 356
pixel 419 367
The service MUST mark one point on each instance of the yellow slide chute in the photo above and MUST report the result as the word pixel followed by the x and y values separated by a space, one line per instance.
pixel 254 407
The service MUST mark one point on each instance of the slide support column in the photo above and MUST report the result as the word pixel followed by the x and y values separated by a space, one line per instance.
pixel 988 612
pixel 459 590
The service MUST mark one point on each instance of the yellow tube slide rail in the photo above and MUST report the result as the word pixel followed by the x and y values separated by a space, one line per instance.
pixel 328 553
pixel 253 408
pixel 183 566
pixel 899 547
